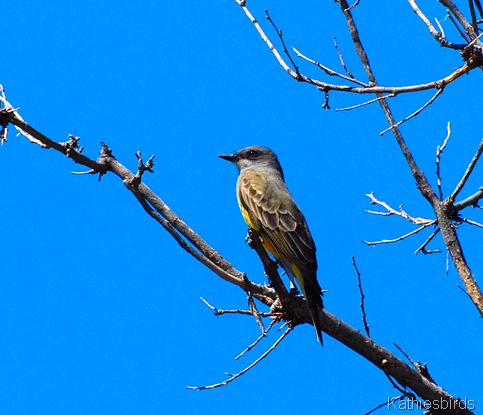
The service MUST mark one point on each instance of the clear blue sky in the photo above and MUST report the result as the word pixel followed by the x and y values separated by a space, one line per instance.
pixel 100 309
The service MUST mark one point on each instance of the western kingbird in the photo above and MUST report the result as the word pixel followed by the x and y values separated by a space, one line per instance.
pixel 268 207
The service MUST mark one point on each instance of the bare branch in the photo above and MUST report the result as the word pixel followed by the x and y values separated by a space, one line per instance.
pixel 353 6
pixel 341 58
pixel 422 248
pixel 439 36
pixel 439 151
pixel 280 36
pixel 385 404
pixel 270 266
pixel 460 17
pixel 436 95
pixel 471 222
pixel 400 212
pixel 473 15
pixel 136 179
pixel 361 292
pixel 455 24
pixel 365 103
pixel 480 9
pixel 470 201
pixel 400 238
pixel 242 4
pixel 372 89
pixel 327 70
pixel 259 338
pixel 237 375
pixel 444 211
pixel 218 312
pixel 423 369
pixel 468 171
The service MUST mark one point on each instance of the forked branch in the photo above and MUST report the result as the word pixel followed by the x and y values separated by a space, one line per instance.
pixel 196 246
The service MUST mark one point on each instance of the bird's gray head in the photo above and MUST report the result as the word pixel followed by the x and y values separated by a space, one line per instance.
pixel 254 157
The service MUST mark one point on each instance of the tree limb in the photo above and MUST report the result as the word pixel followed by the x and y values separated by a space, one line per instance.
pixel 333 326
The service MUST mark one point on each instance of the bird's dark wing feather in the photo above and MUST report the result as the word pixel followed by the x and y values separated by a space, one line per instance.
pixel 268 207
pixel 273 211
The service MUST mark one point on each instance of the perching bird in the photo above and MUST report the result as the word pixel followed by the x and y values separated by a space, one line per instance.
pixel 268 207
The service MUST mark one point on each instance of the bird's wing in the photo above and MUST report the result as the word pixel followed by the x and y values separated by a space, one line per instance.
pixel 271 209
pixel 268 207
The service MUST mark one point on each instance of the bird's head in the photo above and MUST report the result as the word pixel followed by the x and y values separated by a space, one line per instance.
pixel 254 157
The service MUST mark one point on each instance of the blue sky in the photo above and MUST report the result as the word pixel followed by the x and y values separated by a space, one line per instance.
pixel 100 309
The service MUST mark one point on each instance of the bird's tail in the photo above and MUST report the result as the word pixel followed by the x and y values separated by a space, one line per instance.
pixel 307 281
pixel 314 300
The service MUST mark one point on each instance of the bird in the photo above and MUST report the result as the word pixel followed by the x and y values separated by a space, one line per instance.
pixel 268 207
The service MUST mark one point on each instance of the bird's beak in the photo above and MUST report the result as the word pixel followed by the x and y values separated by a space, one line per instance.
pixel 229 157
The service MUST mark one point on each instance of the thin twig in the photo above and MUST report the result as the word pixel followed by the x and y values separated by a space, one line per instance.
pixel 259 338
pixel 354 5
pixel 402 390
pixel 237 375
pixel 468 171
pixel 406 355
pixel 327 70
pixel 439 151
pixel 255 312
pixel 473 15
pixel 421 368
pixel 461 18
pixel 323 86
pixel 400 238
pixel 433 98
pixel 219 312
pixel 470 201
pixel 480 9
pixel 440 27
pixel 455 24
pixel 365 103
pixel 361 292
pixel 422 248
pixel 386 404
pixel 391 211
pixel 280 36
pixel 472 222
pixel 438 35
pixel 341 58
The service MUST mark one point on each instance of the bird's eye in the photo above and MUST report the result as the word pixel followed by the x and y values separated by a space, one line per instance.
pixel 253 153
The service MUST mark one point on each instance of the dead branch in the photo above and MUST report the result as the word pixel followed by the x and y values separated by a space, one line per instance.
pixel 439 36
pixel 470 201
pixel 423 369
pixel 327 70
pixel 398 239
pixel 386 404
pixel 417 112
pixel 361 292
pixel 218 312
pixel 259 338
pixel 439 151
pixel 444 210
pixel 471 222
pixel 365 103
pixel 196 246
pixel 373 87
pixel 232 377
pixel 469 30
pixel 422 248
pixel 400 212
pixel 280 36
pixel 467 173
pixel 341 58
